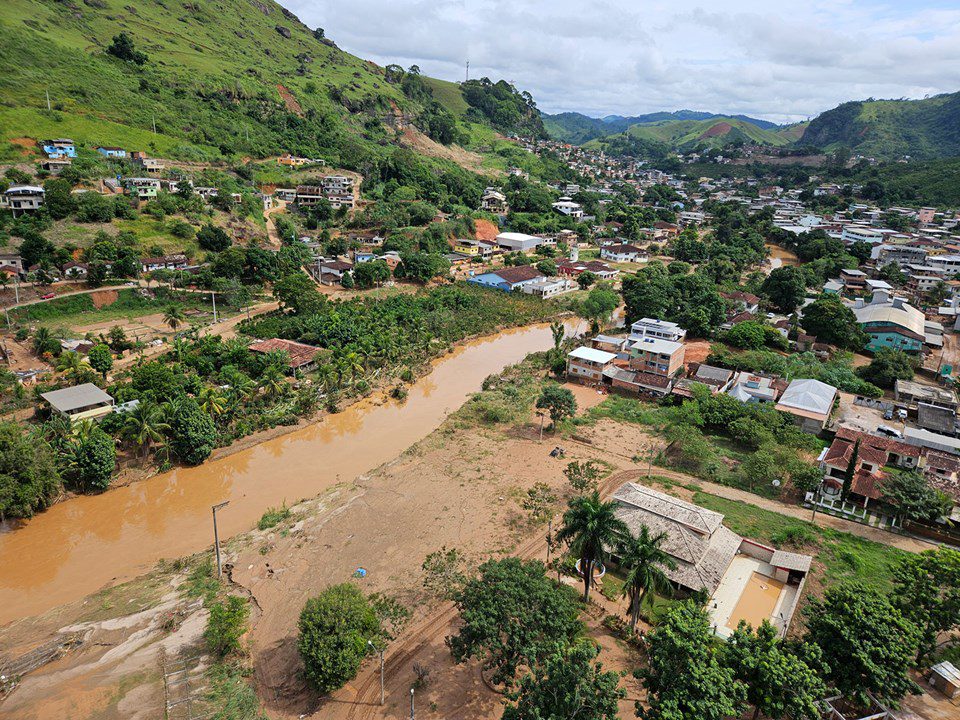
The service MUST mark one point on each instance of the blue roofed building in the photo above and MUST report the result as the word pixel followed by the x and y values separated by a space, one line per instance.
pixel 59 148
pixel 508 279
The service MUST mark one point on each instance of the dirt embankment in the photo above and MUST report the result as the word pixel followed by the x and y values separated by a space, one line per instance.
pixel 411 137
pixel 293 105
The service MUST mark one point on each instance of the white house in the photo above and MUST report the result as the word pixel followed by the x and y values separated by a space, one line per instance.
pixel 568 207
pixel 20 199
pixel 623 253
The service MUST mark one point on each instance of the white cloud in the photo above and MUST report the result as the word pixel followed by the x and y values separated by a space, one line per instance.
pixel 777 60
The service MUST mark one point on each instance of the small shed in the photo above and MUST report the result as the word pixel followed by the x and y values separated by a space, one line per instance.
pixel 945 677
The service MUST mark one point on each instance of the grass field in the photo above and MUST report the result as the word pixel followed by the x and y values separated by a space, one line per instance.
pixel 79 310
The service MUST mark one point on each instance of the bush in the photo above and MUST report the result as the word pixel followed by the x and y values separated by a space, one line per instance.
pixel 273 517
pixel 334 629
pixel 193 432
pixel 226 625
pixel 213 239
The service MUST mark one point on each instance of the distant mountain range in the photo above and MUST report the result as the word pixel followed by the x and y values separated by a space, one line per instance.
pixel 577 128
pixel 884 129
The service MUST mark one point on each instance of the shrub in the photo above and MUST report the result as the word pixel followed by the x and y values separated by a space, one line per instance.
pixel 273 517
pixel 226 625
pixel 334 629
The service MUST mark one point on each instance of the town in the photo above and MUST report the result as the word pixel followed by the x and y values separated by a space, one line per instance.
pixel 384 397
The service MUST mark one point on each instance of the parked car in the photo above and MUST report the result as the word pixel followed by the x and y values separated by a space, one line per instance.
pixel 889 431
pixel 888 414
pixel 48 296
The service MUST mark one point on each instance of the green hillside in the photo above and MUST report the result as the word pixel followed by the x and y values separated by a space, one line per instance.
pixel 691 134
pixel 891 129
pixel 222 78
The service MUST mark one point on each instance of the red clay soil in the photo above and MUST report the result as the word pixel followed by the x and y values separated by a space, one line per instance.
pixel 721 128
pixel 696 351
pixel 485 230
pixel 103 298
pixel 289 100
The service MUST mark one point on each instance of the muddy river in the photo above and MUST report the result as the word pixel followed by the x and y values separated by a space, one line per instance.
pixel 86 543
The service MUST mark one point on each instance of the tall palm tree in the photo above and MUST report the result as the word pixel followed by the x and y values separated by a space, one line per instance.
pixel 174 316
pixel 43 341
pixel 73 365
pixel 145 425
pixel 644 561
pixel 212 402
pixel 591 528
pixel 272 381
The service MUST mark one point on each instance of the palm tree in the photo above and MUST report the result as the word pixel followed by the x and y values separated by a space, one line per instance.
pixel 591 528
pixel 180 347
pixel 272 381
pixel 145 425
pixel 174 316
pixel 73 365
pixel 43 341
pixel 212 402
pixel 558 331
pixel 643 561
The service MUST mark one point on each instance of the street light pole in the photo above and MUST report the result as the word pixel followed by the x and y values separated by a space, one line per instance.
pixel 411 704
pixel 216 535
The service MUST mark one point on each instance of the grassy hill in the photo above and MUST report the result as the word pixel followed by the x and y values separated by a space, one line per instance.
pixel 223 78
pixel 689 134
pixel 578 129
pixel 891 129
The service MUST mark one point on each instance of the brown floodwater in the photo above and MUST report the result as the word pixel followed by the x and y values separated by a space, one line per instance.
pixel 780 256
pixel 83 544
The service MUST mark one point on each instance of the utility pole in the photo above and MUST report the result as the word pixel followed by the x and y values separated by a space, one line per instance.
pixel 216 535
pixel 467 79
pixel 411 704
pixel 153 118
pixel 541 414
pixel 213 296
pixel 370 643
pixel 47 92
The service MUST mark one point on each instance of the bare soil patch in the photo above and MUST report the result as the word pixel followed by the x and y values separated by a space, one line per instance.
pixel 289 100
pixel 103 298
pixel 485 230
pixel 413 138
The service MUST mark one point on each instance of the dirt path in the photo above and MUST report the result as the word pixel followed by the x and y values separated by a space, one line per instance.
pixel 273 235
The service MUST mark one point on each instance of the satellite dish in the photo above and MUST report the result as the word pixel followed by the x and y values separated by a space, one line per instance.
pixel 776 483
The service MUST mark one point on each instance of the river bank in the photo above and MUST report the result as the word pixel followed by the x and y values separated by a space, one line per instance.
pixel 77 547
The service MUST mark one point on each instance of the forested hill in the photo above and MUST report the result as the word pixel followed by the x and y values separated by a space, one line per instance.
pixel 578 129
pixel 218 78
pixel 891 129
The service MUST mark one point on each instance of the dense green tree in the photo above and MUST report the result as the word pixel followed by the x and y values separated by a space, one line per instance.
pixel 94 459
pixel 685 678
pixel 298 293
pixel 28 472
pixel 833 322
pixel 512 616
pixel 57 198
pixel 569 685
pixel 591 529
pixel 914 498
pixel 558 401
pixel 785 288
pixel 644 564
pixel 887 366
pixel 334 629
pixel 867 643
pixel 174 316
pixel 927 592
pixel 213 238
pixel 122 47
pixel 371 273
pixel 586 279
pixel 779 682
pixel 193 434
pixel 598 306
pixel 100 359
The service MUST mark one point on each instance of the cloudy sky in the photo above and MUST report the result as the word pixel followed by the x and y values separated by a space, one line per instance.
pixel 782 61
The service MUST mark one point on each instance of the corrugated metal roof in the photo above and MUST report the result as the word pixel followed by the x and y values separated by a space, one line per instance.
pixel 70 399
